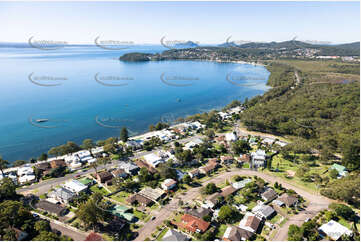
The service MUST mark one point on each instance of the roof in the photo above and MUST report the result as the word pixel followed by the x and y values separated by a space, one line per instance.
pixel 142 164
pixel 105 175
pixel 19 234
pixel 93 237
pixel 193 223
pixel 139 198
pixel 334 230
pixel 253 222
pixel 193 172
pixel 224 158
pixel 234 233
pixel 121 211
pixel 153 159
pixel 57 163
pixel 118 172
pixel 209 167
pixel 259 155
pixel 241 184
pixel 75 186
pixel 127 166
pixel 169 182
pixel 289 200
pixel 152 194
pixel 50 207
pixel 338 167
pixel 173 235
pixel 64 193
pixel 264 210
pixel 269 194
pixel 214 197
pixel 228 191
pixel 199 212
pixel 43 166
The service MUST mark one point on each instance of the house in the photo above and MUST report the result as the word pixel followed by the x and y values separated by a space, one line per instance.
pixel 57 163
pixel 268 141
pixel 142 164
pixel 193 224
pixel 334 230
pixel 63 195
pixel 152 194
pixel 43 167
pixel 75 186
pixel 278 203
pixel 250 222
pixel 227 159
pixel 174 235
pixel 137 198
pixel 123 212
pixel 168 184
pixel 94 237
pixel 289 200
pixel 26 174
pixel 199 212
pixel 281 143
pixel 226 191
pixel 134 144
pixel 153 160
pixel 192 144
pixel 269 195
pixel 194 173
pixel 264 211
pixel 104 176
pixel 51 208
pixel 230 137
pixel 19 234
pixel 234 233
pixel 245 158
pixel 210 167
pixel 258 159
pixel 129 167
pixel 241 184
pixel 342 172
pixel 119 173
pixel 212 200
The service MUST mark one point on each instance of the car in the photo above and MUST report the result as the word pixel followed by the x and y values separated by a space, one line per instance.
pixel 153 218
pixel 77 176
pixel 307 219
pixel 36 216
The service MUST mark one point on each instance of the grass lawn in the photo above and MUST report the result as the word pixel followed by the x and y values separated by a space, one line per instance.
pixel 221 231
pixel 283 222
pixel 154 206
pixel 120 196
pixel 101 190
pixel 245 165
pixel 140 215
pixel 276 219
pixel 345 223
pixel 42 196
pixel 251 205
pixel 160 236
pixel 147 218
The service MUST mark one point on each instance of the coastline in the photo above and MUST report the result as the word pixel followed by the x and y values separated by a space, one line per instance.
pixel 137 136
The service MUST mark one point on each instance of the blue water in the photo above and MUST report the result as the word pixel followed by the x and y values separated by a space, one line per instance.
pixel 80 107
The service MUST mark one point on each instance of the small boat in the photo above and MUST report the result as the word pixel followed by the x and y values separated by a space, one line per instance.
pixel 42 120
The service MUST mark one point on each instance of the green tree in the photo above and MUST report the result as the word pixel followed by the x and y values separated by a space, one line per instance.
pixel 7 189
pixel 43 156
pixel 228 214
pixel 42 225
pixel 240 147
pixel 187 179
pixel 333 173
pixel 294 233
pixel 3 165
pixel 88 144
pixel 210 188
pixel 124 134
pixel 19 163
pixel 92 212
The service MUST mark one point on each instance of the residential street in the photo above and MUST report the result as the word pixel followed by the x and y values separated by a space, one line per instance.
pixel 316 203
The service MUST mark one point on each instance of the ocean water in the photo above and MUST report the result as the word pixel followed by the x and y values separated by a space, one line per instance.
pixel 86 92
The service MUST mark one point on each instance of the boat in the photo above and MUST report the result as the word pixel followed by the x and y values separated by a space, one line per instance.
pixel 42 120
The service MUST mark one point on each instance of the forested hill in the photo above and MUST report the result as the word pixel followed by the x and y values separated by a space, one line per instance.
pixel 322 110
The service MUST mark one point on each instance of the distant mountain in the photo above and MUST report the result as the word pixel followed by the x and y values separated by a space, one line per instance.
pixel 188 44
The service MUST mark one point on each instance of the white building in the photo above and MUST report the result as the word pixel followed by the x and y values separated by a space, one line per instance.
pixel 230 137
pixel 168 184
pixel 75 186
pixel 334 230
pixel 26 174
pixel 192 144
pixel 258 158
pixel 153 159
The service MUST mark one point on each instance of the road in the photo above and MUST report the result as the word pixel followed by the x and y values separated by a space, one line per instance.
pixel 316 203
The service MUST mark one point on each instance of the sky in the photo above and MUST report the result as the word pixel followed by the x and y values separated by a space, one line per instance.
pixel 203 22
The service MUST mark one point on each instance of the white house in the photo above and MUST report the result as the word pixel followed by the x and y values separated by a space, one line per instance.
pixel 192 143
pixel 334 230
pixel 75 186
pixel 168 184
pixel 250 222
pixel 26 174
pixel 230 137
pixel 241 184
pixel 153 159
pixel 258 158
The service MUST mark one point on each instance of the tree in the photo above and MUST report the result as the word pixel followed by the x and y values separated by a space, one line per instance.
pixel 19 163
pixel 92 212
pixel 13 214
pixel 343 211
pixel 88 144
pixel 94 165
pixel 43 156
pixel 351 154
pixel 42 225
pixel 240 147
pixel 228 214
pixel 294 233
pixel 3 165
pixel 187 179
pixel 333 173
pixel 166 171
pixel 47 236
pixel 124 134
pixel 210 188
pixel 7 189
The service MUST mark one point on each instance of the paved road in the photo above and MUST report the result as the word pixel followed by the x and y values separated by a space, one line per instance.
pixel 317 203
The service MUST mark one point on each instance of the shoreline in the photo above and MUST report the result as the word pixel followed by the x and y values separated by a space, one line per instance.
pixel 147 132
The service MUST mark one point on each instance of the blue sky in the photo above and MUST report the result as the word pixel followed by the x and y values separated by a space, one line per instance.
pixel 205 22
